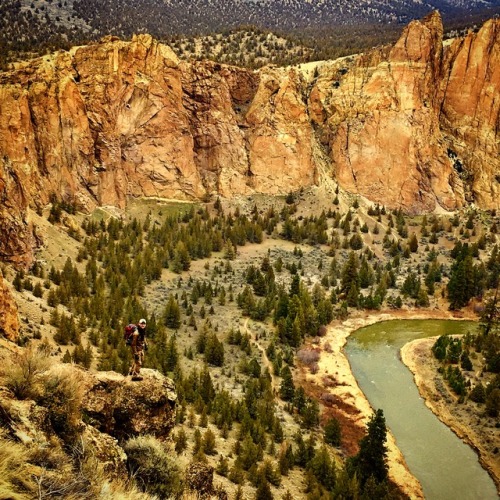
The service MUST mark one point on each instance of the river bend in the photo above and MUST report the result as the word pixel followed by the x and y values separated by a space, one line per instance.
pixel 447 468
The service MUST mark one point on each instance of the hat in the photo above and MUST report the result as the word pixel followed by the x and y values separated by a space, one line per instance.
pixel 142 321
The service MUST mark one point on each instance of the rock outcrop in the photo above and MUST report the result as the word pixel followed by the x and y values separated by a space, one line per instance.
pixel 398 121
pixel 78 419
pixel 415 126
pixel 115 405
pixel 9 317
pixel 470 111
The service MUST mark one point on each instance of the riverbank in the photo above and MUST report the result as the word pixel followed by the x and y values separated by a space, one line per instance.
pixel 334 366
pixel 464 422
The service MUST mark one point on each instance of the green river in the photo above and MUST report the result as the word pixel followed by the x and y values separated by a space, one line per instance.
pixel 447 468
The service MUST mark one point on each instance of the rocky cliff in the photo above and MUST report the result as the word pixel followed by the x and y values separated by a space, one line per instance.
pixel 415 126
pixel 64 430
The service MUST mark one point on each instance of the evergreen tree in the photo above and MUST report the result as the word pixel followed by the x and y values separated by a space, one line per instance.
pixel 332 432
pixel 413 243
pixel 323 468
pixel 180 441
pixel 461 285
pixel 287 388
pixel 182 259
pixel 350 279
pixel 371 459
pixel 208 443
pixel 310 414
pixel 172 313
pixel 214 350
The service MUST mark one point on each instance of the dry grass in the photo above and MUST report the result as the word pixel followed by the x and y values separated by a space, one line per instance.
pixel 22 371
pixel 15 482
pixel 62 394
pixel 81 478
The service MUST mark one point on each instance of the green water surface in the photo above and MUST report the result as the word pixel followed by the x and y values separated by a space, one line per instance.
pixel 446 467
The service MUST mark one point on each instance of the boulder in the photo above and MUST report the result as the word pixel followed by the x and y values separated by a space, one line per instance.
pixel 123 408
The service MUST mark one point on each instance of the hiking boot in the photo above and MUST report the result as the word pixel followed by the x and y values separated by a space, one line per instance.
pixel 137 378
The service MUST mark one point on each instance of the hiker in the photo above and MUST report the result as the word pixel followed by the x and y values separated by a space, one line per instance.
pixel 138 345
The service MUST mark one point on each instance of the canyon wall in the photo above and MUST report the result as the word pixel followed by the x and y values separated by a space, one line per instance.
pixel 415 126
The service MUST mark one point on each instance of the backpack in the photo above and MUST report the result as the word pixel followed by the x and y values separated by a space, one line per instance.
pixel 128 333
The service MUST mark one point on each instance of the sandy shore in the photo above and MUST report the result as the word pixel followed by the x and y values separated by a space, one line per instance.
pixel 417 355
pixel 333 362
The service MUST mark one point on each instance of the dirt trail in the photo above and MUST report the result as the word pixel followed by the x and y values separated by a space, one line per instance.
pixel 267 363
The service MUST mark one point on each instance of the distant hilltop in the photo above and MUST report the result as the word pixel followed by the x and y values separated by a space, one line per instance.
pixel 412 126
pixel 34 25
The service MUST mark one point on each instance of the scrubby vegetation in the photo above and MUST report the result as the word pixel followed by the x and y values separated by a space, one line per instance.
pixel 232 32
pixel 236 298
pixel 477 353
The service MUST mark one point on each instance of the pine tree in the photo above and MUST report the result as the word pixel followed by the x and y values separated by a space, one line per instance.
pixel 214 350
pixel 371 459
pixel 413 244
pixel 172 313
pixel 287 388
pixel 350 275
pixel 180 441
pixel 208 443
pixel 332 432
pixel 323 468
pixel 182 260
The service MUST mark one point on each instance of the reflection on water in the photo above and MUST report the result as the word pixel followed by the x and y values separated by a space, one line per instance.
pixel 445 466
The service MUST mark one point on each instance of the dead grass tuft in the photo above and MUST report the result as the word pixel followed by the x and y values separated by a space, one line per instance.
pixel 62 394
pixel 22 371
pixel 14 478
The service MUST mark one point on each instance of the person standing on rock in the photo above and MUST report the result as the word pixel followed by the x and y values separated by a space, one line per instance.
pixel 138 345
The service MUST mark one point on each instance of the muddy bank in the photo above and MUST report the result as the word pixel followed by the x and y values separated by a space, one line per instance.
pixel 417 356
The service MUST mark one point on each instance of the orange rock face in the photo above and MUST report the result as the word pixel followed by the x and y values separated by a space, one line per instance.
pixel 399 123
pixel 9 318
pixel 470 112
pixel 412 126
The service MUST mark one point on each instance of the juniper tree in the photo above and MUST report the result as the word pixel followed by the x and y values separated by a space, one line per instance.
pixel 172 313
pixel 332 432
pixel 287 388
pixel 371 459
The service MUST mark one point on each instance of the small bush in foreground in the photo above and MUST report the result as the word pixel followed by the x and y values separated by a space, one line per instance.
pixel 153 467
pixel 21 372
pixel 14 482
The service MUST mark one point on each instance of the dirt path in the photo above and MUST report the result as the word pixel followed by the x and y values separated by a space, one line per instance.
pixel 267 363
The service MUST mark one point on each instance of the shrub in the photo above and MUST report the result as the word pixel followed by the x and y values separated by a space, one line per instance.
pixel 22 371
pixel 332 432
pixel 62 395
pixel 308 356
pixel 478 394
pixel 493 403
pixel 153 466
pixel 322 331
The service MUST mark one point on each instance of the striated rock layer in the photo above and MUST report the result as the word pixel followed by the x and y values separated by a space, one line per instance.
pixel 415 126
